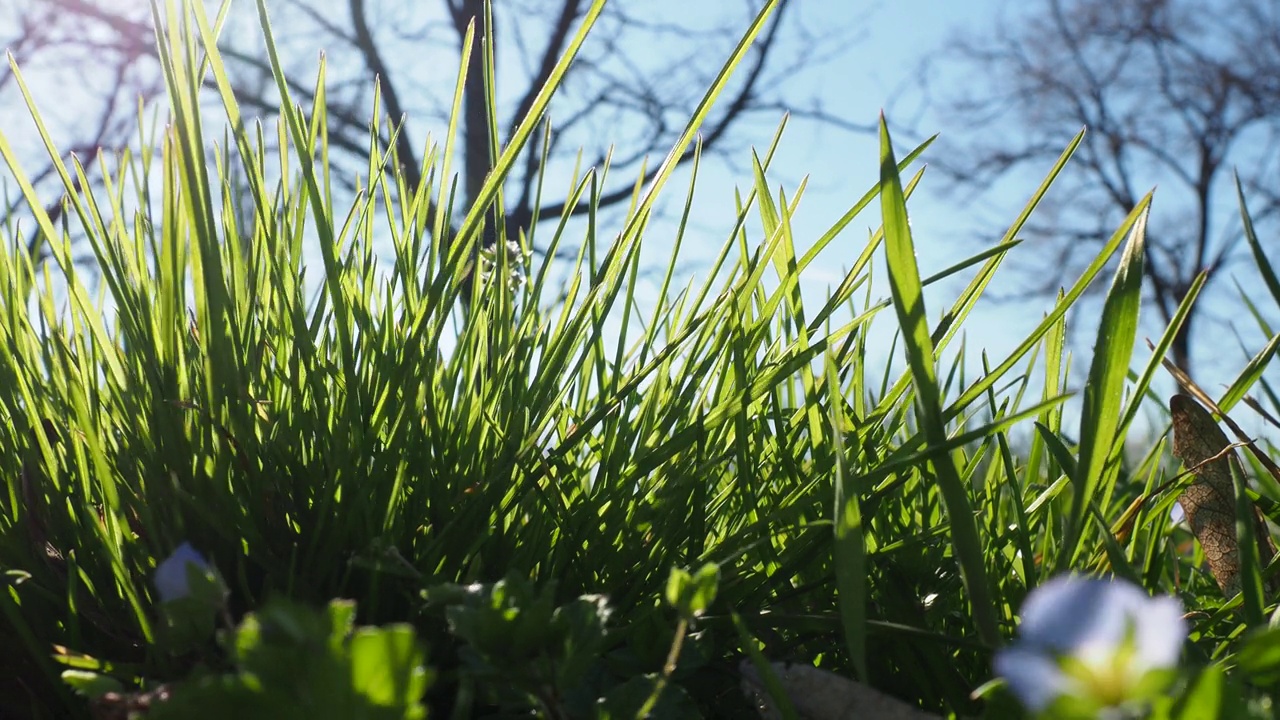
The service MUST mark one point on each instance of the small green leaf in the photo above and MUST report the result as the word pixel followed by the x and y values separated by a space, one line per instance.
pixel 580 629
pixel 691 595
pixel 388 668
pixel 91 684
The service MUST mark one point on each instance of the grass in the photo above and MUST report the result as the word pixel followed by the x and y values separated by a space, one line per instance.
pixel 570 444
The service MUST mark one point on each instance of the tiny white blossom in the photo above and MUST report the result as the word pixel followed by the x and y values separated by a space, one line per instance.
pixel 1091 639
pixel 171 574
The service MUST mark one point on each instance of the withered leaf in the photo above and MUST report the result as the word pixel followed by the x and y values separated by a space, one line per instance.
pixel 1209 502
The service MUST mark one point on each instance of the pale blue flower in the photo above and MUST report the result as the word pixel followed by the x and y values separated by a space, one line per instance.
pixel 171 575
pixel 1091 639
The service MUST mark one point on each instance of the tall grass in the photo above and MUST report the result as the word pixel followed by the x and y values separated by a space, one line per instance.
pixel 331 446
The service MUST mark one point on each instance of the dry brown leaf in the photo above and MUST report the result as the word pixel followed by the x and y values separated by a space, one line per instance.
pixel 1209 502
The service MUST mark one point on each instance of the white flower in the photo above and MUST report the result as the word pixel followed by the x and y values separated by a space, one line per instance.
pixel 1095 640
pixel 171 574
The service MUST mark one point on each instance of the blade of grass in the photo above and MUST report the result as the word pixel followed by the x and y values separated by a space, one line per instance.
pixel 1104 391
pixel 849 551
pixel 908 301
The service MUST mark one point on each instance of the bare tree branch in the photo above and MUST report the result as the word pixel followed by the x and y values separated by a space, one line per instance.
pixel 618 84
pixel 1172 93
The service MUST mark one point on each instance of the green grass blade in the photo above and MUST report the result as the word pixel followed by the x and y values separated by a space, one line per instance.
pixel 1104 392
pixel 849 551
pixel 908 301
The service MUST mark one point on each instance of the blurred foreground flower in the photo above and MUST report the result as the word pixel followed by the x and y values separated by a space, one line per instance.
pixel 192 594
pixel 1086 645
pixel 172 578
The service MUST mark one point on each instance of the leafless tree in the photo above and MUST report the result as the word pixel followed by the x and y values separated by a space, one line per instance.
pixel 632 88
pixel 1174 93
pixel 72 46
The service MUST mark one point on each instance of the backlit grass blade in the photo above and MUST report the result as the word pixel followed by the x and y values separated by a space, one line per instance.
pixel 522 132
pixel 1104 392
pixel 968 298
pixel 849 551
pixel 1060 308
pixel 908 301
pixel 953 320
pixel 1249 375
pixel 1143 383
pixel 1260 260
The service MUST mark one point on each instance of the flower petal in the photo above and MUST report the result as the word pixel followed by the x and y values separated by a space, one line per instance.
pixel 1072 638
pixel 171 574
pixel 1091 616
pixel 1159 634
pixel 1033 676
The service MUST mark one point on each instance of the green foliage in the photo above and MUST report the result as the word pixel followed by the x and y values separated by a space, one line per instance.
pixel 514 470
pixel 691 594
pixel 290 661
pixel 515 637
